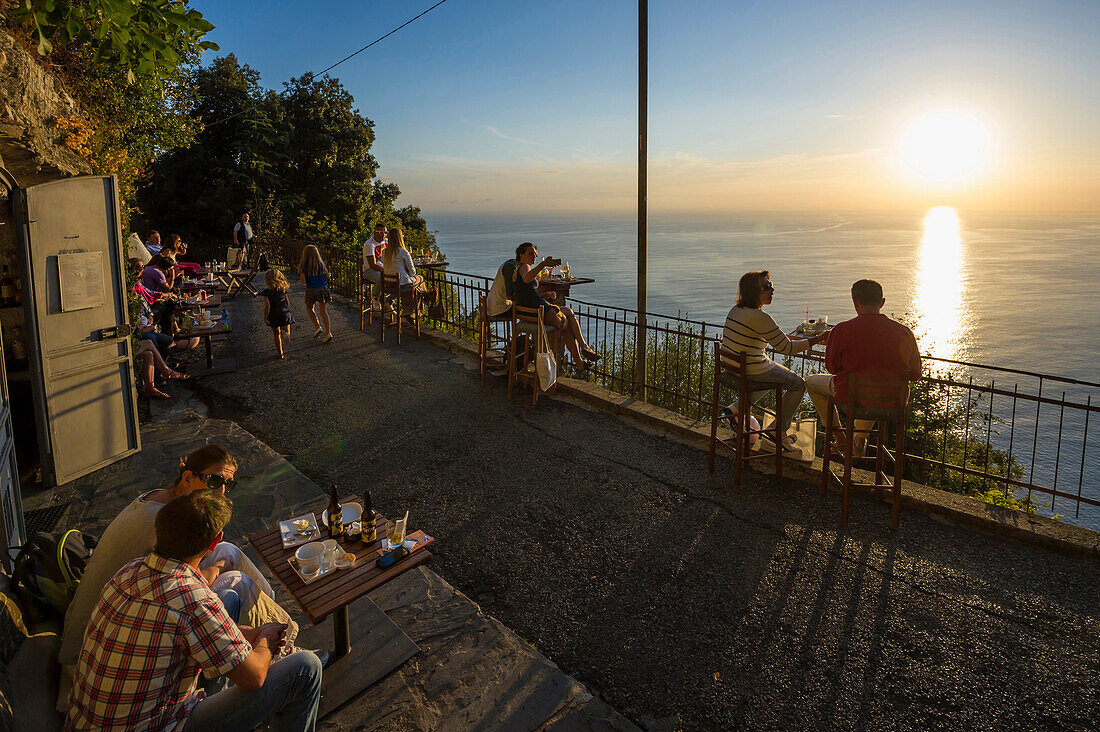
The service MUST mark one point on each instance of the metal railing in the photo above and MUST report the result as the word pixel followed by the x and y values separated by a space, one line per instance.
pixel 1004 435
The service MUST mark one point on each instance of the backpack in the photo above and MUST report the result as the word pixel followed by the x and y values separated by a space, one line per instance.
pixel 47 570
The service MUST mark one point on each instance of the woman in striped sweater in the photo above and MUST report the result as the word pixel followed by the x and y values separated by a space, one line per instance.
pixel 750 330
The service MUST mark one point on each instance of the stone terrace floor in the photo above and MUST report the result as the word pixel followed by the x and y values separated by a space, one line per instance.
pixel 616 554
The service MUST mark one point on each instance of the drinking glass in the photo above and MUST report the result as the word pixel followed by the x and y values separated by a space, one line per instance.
pixel 565 270
pixel 397 535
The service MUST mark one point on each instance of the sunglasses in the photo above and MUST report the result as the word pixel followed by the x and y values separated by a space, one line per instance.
pixel 767 286
pixel 215 481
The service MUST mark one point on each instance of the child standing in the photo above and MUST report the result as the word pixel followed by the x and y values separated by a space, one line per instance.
pixel 277 307
pixel 314 275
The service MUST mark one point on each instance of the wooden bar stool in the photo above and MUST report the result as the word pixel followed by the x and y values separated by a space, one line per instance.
pixel 492 348
pixel 738 444
pixel 392 284
pixel 526 324
pixel 367 312
pixel 884 402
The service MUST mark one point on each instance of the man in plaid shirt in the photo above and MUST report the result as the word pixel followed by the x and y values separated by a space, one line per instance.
pixel 158 624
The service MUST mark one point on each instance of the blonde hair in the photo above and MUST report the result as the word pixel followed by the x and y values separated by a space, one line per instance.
pixel 311 263
pixel 394 240
pixel 274 279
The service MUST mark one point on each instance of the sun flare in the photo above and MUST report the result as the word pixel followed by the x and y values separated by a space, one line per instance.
pixel 946 148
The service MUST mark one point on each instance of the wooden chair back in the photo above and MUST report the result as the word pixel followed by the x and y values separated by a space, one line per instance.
pixel 492 348
pixel 526 323
pixel 740 443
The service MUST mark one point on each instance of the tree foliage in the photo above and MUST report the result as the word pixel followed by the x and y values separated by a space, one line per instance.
pixel 143 37
pixel 300 161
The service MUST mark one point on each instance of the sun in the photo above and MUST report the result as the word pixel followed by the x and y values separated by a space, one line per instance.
pixel 946 148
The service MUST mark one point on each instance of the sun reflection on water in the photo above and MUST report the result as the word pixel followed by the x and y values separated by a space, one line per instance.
pixel 941 277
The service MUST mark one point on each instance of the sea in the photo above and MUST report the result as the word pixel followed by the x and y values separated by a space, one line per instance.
pixel 1015 291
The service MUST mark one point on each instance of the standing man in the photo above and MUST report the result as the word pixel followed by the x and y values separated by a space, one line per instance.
pixel 158 625
pixel 871 345
pixel 372 255
pixel 152 242
pixel 242 236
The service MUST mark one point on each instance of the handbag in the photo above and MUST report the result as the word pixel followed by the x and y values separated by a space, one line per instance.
pixel 804 431
pixel 437 310
pixel 545 363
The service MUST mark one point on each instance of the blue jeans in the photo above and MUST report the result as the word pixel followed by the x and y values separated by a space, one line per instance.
pixel 289 698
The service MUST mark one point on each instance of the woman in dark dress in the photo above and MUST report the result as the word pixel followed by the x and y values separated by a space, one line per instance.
pixel 524 281
pixel 277 307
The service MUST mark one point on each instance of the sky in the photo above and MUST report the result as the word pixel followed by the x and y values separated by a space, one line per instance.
pixel 492 106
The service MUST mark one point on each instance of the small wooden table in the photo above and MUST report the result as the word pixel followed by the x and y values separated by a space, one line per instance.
pixel 331 594
pixel 225 365
pixel 560 286
pixel 211 302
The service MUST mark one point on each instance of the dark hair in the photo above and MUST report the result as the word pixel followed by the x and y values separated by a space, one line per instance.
pixel 522 248
pixel 187 524
pixel 173 239
pixel 379 225
pixel 150 234
pixel 210 456
pixel 867 292
pixel 160 262
pixel 751 287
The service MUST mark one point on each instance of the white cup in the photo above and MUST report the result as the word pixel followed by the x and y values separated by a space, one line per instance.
pixel 310 569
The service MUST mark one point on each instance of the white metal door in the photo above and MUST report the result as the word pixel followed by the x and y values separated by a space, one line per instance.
pixel 14 532
pixel 78 326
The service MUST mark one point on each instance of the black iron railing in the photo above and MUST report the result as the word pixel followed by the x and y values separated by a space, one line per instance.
pixel 1001 434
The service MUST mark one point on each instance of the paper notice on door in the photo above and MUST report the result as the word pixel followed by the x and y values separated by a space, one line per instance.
pixel 81 279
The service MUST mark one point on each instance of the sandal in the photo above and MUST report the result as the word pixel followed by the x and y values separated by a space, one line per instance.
pixel 177 376
pixel 156 394
pixel 591 355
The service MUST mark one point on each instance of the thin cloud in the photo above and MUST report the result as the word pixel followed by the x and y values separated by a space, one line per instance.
pixel 845 117
pixel 533 143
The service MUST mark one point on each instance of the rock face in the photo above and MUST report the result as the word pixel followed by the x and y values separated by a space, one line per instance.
pixel 31 99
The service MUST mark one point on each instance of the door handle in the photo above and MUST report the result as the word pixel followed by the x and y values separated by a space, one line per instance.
pixel 115 332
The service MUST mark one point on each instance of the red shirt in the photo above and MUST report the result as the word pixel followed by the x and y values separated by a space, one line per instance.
pixel 873 346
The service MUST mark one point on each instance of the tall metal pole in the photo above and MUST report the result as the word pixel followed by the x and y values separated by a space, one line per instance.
pixel 643 162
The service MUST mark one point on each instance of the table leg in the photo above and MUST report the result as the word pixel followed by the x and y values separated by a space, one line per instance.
pixel 209 352
pixel 341 631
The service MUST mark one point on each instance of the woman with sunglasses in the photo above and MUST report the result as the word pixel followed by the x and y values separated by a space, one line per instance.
pixel 131 535
pixel 750 330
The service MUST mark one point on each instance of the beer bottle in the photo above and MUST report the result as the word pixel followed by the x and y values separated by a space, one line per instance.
pixel 335 515
pixel 370 530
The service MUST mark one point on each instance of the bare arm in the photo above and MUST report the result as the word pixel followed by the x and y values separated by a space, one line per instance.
pixel 267 308
pixel 251 673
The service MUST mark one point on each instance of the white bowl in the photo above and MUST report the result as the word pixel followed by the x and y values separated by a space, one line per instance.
pixel 310 552
pixel 345 561
pixel 310 569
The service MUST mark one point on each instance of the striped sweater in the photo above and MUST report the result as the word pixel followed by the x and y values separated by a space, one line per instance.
pixel 750 331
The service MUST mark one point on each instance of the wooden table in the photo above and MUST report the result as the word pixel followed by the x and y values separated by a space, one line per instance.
pixel 225 365
pixel 211 302
pixel 331 594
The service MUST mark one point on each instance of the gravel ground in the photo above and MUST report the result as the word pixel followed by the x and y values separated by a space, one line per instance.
pixel 616 554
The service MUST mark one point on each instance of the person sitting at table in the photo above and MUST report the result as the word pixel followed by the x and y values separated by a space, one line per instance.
pixel 749 330
pixel 372 256
pixel 158 625
pixel 173 250
pixel 277 307
pixel 152 242
pixel 871 345
pixel 562 318
pixel 153 363
pixel 314 275
pixel 130 535
pixel 498 303
pixel 397 260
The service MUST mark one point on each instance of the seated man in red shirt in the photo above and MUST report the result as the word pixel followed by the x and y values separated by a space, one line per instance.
pixel 871 345
pixel 158 625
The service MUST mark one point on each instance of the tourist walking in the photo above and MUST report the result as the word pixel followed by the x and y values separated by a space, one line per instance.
pixel 277 307
pixel 749 330
pixel 313 273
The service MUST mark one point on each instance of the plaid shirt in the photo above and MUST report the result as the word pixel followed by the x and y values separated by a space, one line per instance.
pixel 157 624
